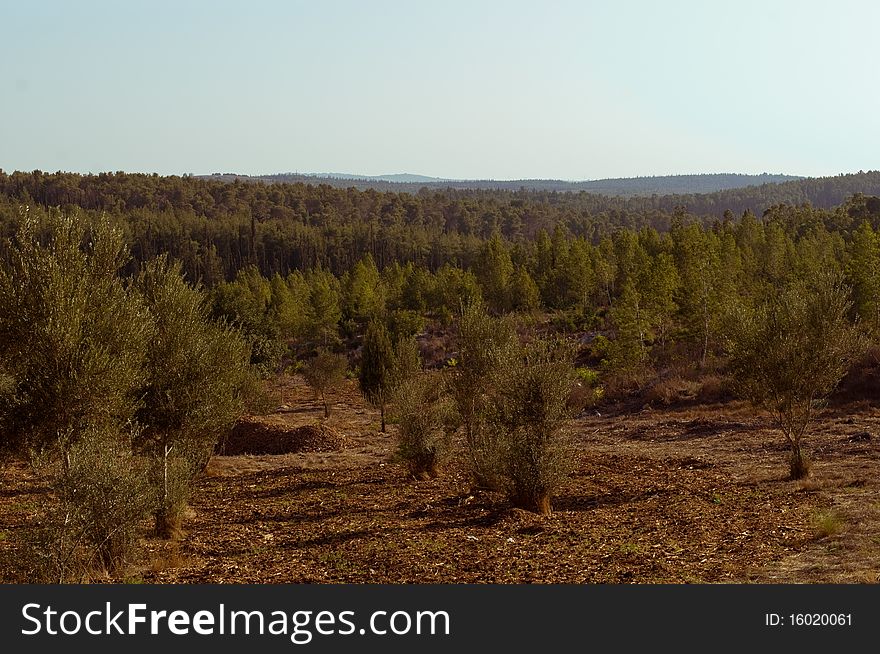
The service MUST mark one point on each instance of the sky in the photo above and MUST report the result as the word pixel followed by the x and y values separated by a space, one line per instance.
pixel 466 90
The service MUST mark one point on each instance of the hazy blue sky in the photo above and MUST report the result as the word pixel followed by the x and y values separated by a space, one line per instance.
pixel 571 90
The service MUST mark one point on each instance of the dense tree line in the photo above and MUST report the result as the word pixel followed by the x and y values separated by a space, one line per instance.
pixel 216 228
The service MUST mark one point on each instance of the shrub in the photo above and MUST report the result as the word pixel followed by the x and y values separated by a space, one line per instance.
pixel 671 390
pixel 827 523
pixel 483 343
pixel 586 391
pixel 422 411
pixel 788 354
pixel 528 413
pixel 713 388
pixel 198 381
pixel 102 500
pixel 325 371
pixel 404 323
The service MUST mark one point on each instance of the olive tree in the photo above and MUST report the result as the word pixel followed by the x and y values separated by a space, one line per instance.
pixel 73 340
pixel 528 415
pixel 94 523
pixel 790 352
pixel 198 380
pixel 325 371
pixel 482 344
pixel 423 437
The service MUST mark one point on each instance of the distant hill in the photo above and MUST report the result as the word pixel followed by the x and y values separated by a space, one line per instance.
pixel 620 187
pixel 402 178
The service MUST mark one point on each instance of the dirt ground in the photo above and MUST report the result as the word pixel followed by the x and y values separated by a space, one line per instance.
pixel 687 495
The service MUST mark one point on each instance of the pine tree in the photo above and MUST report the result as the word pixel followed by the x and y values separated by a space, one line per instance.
pixel 524 294
pixel 863 271
pixel 628 351
pixel 284 311
pixel 324 307
pixel 697 259
pixel 494 270
pixel 377 367
pixel 363 292
pixel 659 283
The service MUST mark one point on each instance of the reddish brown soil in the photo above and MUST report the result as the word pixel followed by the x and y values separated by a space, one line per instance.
pixel 272 435
pixel 689 495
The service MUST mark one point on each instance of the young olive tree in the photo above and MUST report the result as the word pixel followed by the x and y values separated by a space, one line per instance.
pixel 788 354
pixel 198 379
pixel 482 344
pixel 527 415
pixel 101 501
pixel 73 340
pixel 72 337
pixel 325 371
pixel 422 411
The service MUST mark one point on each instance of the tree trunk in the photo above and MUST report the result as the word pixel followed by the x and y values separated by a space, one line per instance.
pixel 534 502
pixel 434 469
pixel 326 406
pixel 799 466
pixel 382 413
pixel 166 526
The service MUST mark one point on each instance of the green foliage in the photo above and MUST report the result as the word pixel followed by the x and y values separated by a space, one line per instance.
pixel 287 307
pixel 697 257
pixel 101 500
pixel 524 295
pixel 495 270
pixel 72 338
pixel 454 286
pixel 404 323
pixel 483 343
pixel 863 271
pixel 422 412
pixel 587 376
pixel 322 373
pixel 407 361
pixel 377 372
pixel 198 380
pixel 247 304
pixel 324 307
pixel 790 352
pixel 659 282
pixel 528 410
pixel 628 351
pixel 363 292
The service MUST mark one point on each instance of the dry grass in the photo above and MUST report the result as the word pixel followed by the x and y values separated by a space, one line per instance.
pixel 672 390
pixel 827 523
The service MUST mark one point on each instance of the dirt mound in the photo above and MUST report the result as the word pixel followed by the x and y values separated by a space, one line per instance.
pixel 254 436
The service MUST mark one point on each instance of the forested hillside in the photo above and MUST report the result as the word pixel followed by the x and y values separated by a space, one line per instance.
pixel 314 263
pixel 217 228
pixel 625 186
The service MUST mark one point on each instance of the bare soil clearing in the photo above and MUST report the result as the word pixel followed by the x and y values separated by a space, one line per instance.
pixel 658 496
